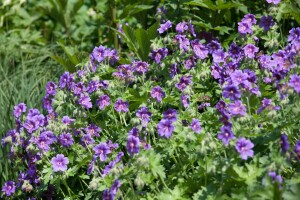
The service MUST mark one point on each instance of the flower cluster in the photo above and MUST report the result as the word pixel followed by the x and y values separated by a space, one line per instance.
pixel 109 113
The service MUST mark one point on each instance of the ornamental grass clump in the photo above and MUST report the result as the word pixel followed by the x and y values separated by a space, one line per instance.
pixel 196 120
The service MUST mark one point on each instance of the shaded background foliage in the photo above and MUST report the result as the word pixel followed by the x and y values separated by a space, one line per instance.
pixel 41 39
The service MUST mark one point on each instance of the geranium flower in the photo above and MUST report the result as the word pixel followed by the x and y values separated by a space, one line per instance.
pixel 226 135
pixel 121 106
pixel 103 101
pixel 157 93
pixel 9 188
pixel 101 150
pixel 59 163
pixel 164 27
pixel 133 145
pixel 165 128
pixel 237 108
pixel 196 126
pixel 244 147
pixel 295 82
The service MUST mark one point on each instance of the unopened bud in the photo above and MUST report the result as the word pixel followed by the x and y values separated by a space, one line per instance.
pixel 139 183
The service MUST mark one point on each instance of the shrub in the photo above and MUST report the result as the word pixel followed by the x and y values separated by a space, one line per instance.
pixel 196 121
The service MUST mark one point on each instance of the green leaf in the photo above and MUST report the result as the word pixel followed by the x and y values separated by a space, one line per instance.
pixel 143 43
pixel 134 9
pixel 67 64
pixel 139 40
pixel 223 29
pixel 203 3
pixel 156 168
pixel 152 31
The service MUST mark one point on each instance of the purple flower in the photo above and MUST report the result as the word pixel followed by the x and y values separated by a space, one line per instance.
pixel 165 128
pixel 111 145
pixel 157 93
pixel 133 145
pixel 125 72
pixel 91 167
pixel 134 131
pixel 181 27
pixel 249 18
pixel 294 35
pixel 250 50
pixel 98 53
pixel 226 134
pixel 67 120
pixel 232 92
pixel 78 88
pixel 244 28
pixel 171 115
pixel 294 82
pixel 266 22
pixel 81 73
pixel 102 150
pixel 47 103
pixel 214 46
pixel 114 188
pixel 109 194
pixel 184 42
pixel 104 84
pixel 221 106
pixel 51 88
pixel 144 114
pixel 274 1
pixel 93 86
pixel 159 54
pixel 86 139
pixel 189 63
pixel 164 27
pixel 66 80
pixel 237 108
pixel 112 55
pixel 121 106
pixel 297 149
pixel 274 177
pixel 184 100
pixel 284 143
pixel 43 143
pixel 31 125
pixel 219 56
pixel 85 101
pixel 140 67
pixel 184 82
pixel 235 51
pixel 93 130
pixel 192 30
pixel 199 49
pixel 103 101
pixel 203 105
pixel 174 70
pixel 244 147
pixel 264 104
pixel 59 163
pixel 195 125
pixel 9 188
pixel 66 139
pixel 238 77
pixel 19 109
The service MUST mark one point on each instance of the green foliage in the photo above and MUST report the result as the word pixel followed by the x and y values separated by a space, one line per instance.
pixel 41 35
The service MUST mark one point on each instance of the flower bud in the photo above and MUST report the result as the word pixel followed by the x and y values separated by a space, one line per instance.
pixel 94 184
pixel 27 186
pixel 139 183
pixel 7 140
pixel 143 161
